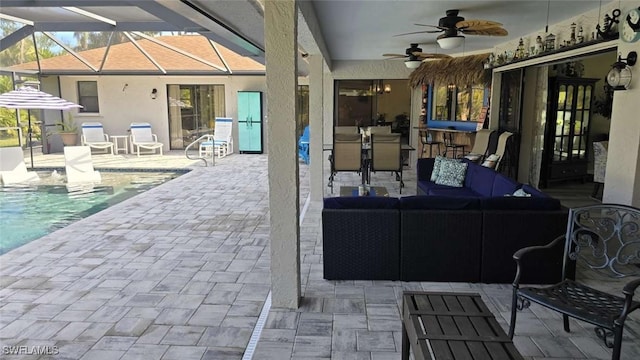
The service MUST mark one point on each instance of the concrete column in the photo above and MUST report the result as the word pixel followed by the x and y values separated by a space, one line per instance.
pixel 316 83
pixel 280 33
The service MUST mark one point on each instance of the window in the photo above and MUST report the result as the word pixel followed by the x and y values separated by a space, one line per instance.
pixel 303 107
pixel 88 96
pixel 192 111
pixel 460 104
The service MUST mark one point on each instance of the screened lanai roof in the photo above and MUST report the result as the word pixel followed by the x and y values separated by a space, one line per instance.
pixel 139 15
pixel 161 55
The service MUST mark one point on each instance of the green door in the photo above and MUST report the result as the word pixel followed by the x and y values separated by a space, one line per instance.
pixel 250 121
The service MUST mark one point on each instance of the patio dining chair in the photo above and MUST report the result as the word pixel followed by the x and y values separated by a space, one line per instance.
pixel 346 155
pixel 502 148
pixel 94 137
pixel 386 155
pixel 481 145
pixel 143 138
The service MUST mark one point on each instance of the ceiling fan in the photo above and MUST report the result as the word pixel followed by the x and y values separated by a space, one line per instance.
pixel 452 24
pixel 415 56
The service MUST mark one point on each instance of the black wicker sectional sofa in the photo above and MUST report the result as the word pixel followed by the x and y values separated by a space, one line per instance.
pixel 453 237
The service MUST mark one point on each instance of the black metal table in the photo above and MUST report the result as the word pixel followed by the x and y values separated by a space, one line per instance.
pixel 452 326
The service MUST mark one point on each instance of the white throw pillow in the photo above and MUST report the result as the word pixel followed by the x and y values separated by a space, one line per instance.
pixel 521 193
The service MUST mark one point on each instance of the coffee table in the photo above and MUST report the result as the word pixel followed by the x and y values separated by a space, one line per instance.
pixel 353 191
pixel 441 325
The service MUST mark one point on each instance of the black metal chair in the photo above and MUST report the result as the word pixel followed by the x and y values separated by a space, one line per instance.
pixel 450 145
pixel 603 238
pixel 428 143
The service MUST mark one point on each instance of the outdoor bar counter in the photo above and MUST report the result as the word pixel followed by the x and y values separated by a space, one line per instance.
pixel 463 132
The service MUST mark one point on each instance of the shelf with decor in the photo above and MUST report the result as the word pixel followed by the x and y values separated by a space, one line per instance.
pixel 554 52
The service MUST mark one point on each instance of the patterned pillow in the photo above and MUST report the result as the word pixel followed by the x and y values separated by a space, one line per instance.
pixel 452 173
pixel 436 167
pixel 521 193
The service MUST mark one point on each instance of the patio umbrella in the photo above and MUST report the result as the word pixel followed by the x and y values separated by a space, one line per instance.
pixel 30 98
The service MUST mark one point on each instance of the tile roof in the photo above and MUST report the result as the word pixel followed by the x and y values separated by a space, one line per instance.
pixel 126 57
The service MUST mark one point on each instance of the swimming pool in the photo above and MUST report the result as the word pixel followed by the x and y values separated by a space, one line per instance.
pixel 30 212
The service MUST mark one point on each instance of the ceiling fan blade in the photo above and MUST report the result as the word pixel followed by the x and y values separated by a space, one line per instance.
pixel 496 31
pixel 395 55
pixel 431 55
pixel 474 24
pixel 433 26
pixel 417 32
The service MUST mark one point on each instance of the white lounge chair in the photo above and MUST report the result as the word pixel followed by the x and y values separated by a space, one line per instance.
pixel 142 137
pixel 94 137
pixel 12 167
pixel 222 143
pixel 79 166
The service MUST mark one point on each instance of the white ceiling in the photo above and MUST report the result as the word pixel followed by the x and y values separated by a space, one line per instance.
pixel 352 29
pixel 358 30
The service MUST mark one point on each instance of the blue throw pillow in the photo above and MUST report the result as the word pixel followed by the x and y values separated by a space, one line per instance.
pixel 452 173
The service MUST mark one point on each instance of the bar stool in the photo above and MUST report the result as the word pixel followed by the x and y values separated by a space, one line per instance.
pixel 426 140
pixel 449 145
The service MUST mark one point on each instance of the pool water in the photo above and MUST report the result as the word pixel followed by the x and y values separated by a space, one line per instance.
pixel 30 212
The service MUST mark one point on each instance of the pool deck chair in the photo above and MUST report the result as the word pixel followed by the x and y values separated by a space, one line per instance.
pixel 223 135
pixel 79 166
pixel 143 138
pixel 12 167
pixel 94 137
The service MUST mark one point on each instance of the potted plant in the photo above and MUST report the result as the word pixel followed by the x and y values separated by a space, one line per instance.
pixel 68 130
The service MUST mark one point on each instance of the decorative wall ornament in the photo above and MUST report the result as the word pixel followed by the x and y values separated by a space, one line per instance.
pixel 610 29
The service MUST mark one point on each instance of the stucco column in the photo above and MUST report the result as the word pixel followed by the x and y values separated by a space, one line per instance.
pixel 622 178
pixel 280 33
pixel 316 70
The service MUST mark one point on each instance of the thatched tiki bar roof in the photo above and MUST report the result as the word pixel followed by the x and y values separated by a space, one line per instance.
pixel 462 71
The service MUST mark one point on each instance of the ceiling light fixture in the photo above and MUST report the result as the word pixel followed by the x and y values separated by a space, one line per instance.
pixel 450 42
pixel 412 64
pixel 619 77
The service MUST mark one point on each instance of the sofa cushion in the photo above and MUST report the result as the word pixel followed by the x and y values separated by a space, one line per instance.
pixel 480 179
pixel 503 185
pixel 438 203
pixel 454 192
pixel 520 203
pixel 534 192
pixel 425 168
pixel 427 186
pixel 452 173
pixel 361 202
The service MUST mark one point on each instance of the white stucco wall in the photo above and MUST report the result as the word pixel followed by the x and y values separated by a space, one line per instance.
pixel 120 105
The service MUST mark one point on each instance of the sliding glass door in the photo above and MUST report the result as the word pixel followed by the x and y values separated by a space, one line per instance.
pixel 192 112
